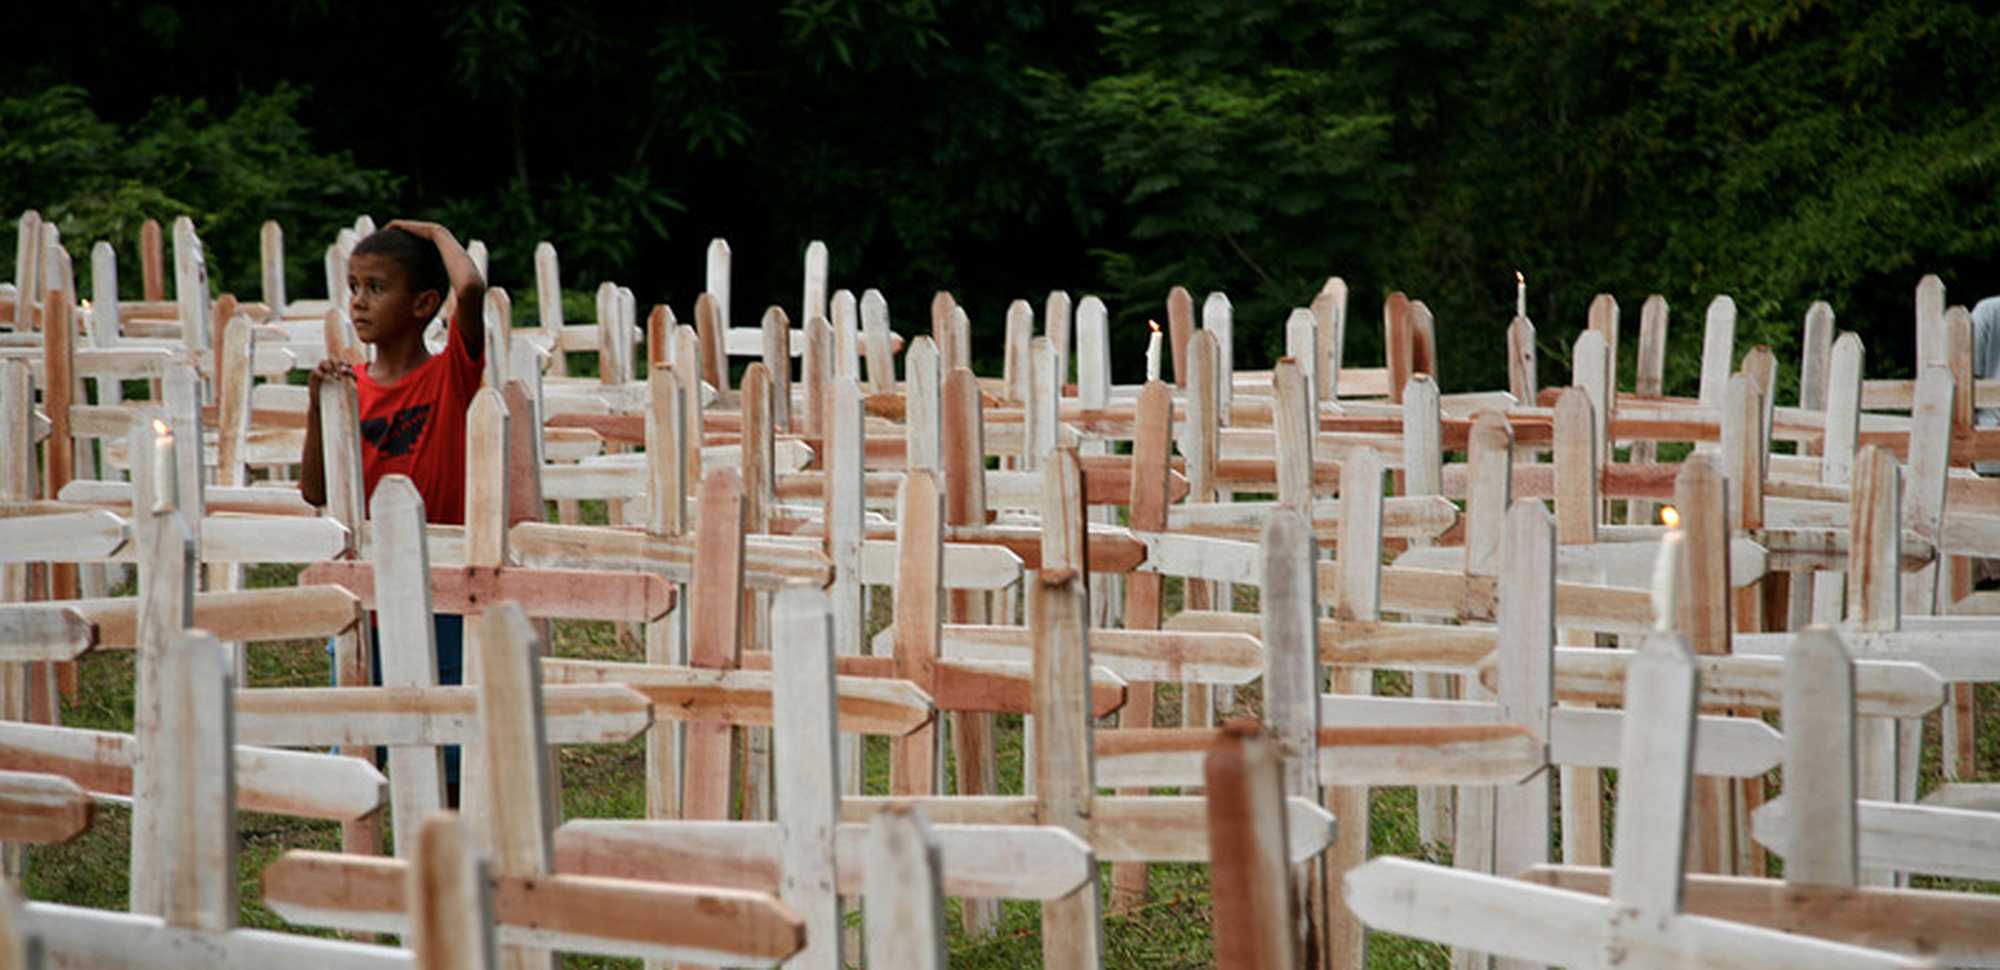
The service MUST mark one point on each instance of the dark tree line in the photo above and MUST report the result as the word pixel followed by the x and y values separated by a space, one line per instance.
pixel 1778 150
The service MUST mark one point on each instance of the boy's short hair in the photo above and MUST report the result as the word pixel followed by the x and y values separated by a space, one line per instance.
pixel 419 258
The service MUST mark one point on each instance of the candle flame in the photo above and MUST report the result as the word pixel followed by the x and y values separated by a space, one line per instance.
pixel 160 428
pixel 1155 324
pixel 1520 280
pixel 1670 516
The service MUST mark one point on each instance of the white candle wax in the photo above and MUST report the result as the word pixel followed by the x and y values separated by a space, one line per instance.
pixel 1520 294
pixel 166 479
pixel 1153 356
pixel 1667 581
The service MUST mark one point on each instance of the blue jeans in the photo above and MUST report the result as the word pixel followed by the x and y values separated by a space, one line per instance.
pixel 450 632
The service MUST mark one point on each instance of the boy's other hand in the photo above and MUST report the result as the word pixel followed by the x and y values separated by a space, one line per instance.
pixel 328 369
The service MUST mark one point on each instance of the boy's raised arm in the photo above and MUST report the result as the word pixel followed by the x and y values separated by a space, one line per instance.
pixel 468 287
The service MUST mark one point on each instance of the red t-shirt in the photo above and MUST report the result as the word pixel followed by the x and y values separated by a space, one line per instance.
pixel 416 427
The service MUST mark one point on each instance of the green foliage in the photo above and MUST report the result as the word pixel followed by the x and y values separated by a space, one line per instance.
pixel 1781 151
pixel 229 172
pixel 1778 151
pixel 1222 171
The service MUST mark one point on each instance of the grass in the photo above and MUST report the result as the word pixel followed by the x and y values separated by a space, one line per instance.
pixel 1170 930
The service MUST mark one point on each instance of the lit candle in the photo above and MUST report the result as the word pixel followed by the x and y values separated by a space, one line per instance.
pixel 166 480
pixel 1667 573
pixel 1153 352
pixel 1520 294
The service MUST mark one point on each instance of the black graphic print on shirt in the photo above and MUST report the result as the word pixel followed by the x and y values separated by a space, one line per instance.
pixel 397 435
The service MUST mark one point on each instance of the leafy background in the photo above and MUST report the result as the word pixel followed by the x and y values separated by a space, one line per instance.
pixel 1780 151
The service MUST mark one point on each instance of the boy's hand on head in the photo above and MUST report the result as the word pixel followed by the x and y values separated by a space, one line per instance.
pixel 421 230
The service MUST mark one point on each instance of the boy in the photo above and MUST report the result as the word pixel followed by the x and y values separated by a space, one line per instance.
pixel 412 404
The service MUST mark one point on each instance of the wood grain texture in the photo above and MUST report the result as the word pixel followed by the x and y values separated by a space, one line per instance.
pixel 1147 510
pixel 1705 619
pixel 1579 461
pixel 808 775
pixel 1072 928
pixel 450 906
pixel 164 609
pixel 919 613
pixel 906 924
pixel 1819 760
pixel 714 634
pixel 408 638
pixel 1293 425
pixel 192 749
pixel 1251 877
pixel 520 809
pixel 964 468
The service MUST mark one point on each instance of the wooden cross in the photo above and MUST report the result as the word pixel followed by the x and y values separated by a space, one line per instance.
pixel 188 913
pixel 1642 923
pixel 1955 648
pixel 906 919
pixel 450 905
pixel 113 763
pixel 537 909
pixel 1120 828
pixel 1252 881
pixel 1731 746
pixel 1819 895
pixel 807 854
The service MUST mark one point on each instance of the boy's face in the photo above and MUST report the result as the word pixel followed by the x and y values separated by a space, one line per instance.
pixel 382 304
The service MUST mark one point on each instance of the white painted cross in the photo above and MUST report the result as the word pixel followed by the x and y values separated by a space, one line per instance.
pixel 537 908
pixel 188 918
pixel 1819 896
pixel 1642 923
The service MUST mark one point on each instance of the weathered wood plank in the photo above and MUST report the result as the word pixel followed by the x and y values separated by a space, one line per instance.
pixel 1251 875
pixel 588 914
pixel 574 594
pixel 607 713
pixel 1953 928
pixel 450 909
pixel 981 861
pixel 906 925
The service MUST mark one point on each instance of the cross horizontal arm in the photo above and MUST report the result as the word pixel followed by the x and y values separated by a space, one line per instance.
pixel 1954 928
pixel 63 537
pixel 250 499
pixel 1146 828
pixel 241 616
pixel 1136 655
pixel 570 594
pixel 864 705
pixel 619 917
pixel 766 565
pixel 233 538
pixel 1624 564
pixel 427 716
pixel 55 632
pixel 41 808
pixel 1954 652
pixel 999 687
pixel 1544 925
pixel 1908 838
pixel 1458 754
pixel 1736 747
pixel 267 779
pixel 1883 688
pixel 980 861
pixel 80 937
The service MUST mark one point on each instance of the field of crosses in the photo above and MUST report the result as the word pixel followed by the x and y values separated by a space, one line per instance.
pixel 1179 603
